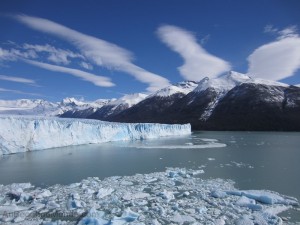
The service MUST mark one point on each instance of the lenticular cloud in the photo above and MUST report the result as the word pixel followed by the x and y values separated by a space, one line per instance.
pixel 198 63
pixel 276 60
pixel 100 52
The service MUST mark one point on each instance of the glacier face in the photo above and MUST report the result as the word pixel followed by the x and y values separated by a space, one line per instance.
pixel 24 133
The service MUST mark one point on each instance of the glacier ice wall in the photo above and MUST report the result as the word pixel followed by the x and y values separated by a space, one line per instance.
pixel 23 133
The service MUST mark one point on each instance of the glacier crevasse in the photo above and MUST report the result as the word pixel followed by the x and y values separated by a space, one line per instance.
pixel 23 133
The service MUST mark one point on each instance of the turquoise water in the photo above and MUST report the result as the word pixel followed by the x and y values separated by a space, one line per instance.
pixel 254 160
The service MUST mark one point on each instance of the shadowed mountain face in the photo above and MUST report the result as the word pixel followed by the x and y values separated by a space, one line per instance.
pixel 257 107
pixel 231 102
pixel 245 107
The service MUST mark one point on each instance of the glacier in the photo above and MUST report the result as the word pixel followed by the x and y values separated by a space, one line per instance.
pixel 27 133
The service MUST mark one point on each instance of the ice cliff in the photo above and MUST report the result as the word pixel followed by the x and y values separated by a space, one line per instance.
pixel 23 133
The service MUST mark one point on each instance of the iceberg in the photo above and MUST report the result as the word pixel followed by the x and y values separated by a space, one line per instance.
pixel 26 133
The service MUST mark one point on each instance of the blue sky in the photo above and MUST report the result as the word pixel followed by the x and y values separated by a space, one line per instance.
pixel 104 49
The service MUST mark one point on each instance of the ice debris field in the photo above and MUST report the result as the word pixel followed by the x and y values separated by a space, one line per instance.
pixel 22 133
pixel 176 196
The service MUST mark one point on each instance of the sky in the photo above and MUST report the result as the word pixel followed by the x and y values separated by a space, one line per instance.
pixel 97 49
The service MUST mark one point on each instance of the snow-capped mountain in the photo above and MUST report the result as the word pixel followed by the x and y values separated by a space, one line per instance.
pixel 155 104
pixel 105 108
pixel 27 107
pixel 45 108
pixel 234 101
pixel 179 88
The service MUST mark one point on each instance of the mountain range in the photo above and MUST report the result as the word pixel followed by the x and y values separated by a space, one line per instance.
pixel 231 102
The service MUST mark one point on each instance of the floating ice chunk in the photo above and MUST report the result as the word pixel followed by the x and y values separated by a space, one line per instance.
pixel 266 197
pixel 167 195
pixel 172 174
pixel 127 217
pixel 189 143
pixel 209 139
pixel 126 183
pixel 11 208
pixel 196 172
pixel 276 209
pixel 244 220
pixel 52 205
pixel 74 185
pixel 155 222
pixel 218 194
pixel 43 194
pixel 150 180
pixel 250 203
pixel 74 204
pixel 54 223
pixel 201 210
pixel 220 221
pixel 22 186
pixel 207 145
pixel 94 217
pixel 266 218
pixel 181 219
pixel 139 195
pixel 103 192
pixel 211 159
pixel 25 197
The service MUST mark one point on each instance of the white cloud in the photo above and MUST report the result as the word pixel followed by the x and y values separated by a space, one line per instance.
pixel 270 29
pixel 56 55
pixel 205 39
pixel 277 60
pixel 17 79
pixel 290 31
pixel 18 92
pixel 14 54
pixel 86 65
pixel 198 63
pixel 99 51
pixel 96 80
pixel 287 32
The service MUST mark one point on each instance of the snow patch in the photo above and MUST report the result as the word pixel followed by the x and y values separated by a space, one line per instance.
pixel 182 87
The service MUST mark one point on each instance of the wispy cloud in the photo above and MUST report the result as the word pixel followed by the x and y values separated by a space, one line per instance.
pixel 60 57
pixel 86 65
pixel 17 79
pixel 99 51
pixel 205 39
pixel 55 55
pixel 96 80
pixel 18 92
pixel 279 59
pixel 14 54
pixel 198 63
pixel 290 31
pixel 270 29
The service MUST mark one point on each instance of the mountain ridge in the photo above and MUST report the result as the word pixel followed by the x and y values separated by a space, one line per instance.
pixel 233 101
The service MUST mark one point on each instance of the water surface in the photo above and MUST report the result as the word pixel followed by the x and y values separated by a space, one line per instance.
pixel 254 160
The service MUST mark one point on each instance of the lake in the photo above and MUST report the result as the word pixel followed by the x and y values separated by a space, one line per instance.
pixel 254 160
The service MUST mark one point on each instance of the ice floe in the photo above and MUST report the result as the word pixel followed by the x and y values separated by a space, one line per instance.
pixel 194 146
pixel 176 196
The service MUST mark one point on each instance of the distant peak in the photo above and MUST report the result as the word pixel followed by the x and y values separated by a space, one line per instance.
pixel 71 101
pixel 129 99
pixel 183 87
